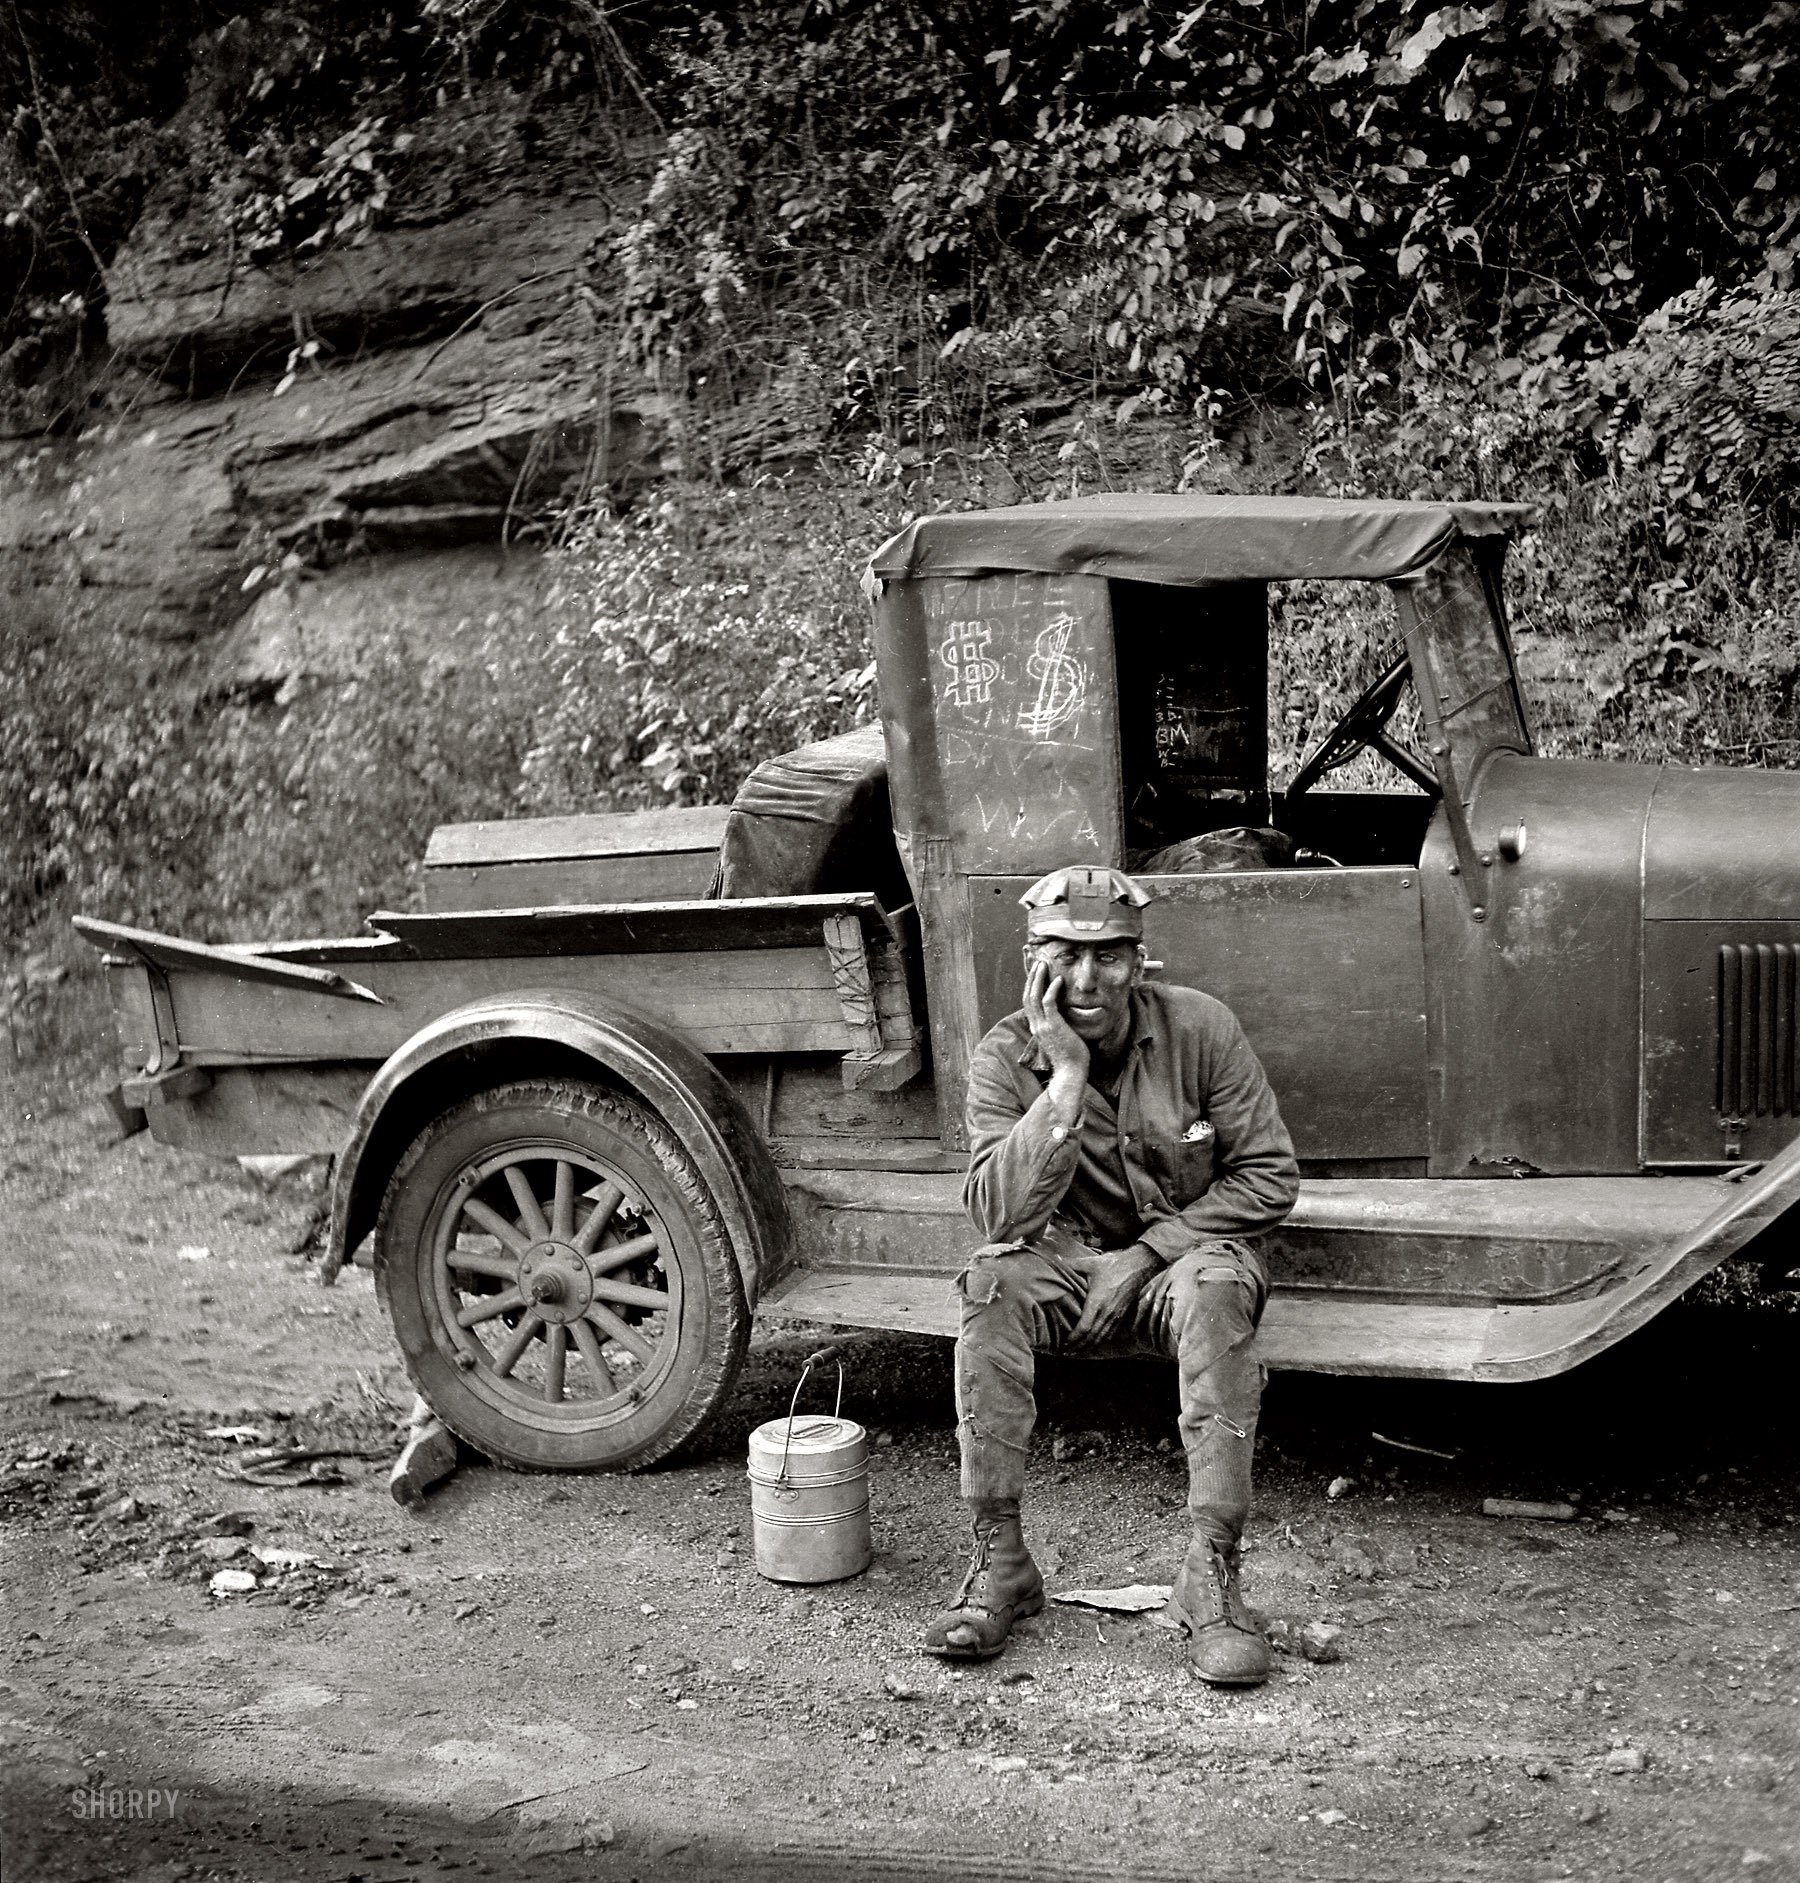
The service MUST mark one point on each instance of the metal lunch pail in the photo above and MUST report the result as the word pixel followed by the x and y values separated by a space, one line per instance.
pixel 809 1491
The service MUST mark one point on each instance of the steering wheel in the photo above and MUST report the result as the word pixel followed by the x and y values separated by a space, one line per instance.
pixel 1364 726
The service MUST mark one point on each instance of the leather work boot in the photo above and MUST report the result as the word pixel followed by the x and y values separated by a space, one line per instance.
pixel 1002 1586
pixel 1225 1646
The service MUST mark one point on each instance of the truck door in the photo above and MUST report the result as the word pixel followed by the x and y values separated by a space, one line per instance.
pixel 1038 720
pixel 1323 968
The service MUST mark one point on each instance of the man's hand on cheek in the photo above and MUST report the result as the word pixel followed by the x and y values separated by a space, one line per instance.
pixel 1115 1280
pixel 1065 1049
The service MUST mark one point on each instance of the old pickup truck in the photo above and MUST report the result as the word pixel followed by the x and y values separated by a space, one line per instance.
pixel 628 1079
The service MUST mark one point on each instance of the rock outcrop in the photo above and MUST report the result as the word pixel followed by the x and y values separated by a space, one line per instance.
pixel 436 391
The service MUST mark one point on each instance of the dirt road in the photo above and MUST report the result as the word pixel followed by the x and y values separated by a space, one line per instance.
pixel 585 1676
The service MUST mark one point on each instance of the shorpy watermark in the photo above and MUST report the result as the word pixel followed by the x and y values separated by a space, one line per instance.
pixel 120 1804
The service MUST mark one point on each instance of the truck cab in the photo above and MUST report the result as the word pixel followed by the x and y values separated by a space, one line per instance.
pixel 1507 965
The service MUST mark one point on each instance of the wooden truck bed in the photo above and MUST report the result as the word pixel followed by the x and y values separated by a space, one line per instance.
pixel 289 1032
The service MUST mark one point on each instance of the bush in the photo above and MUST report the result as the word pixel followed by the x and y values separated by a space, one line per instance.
pixel 1157 196
pixel 233 818
pixel 1657 602
pixel 685 643
pixel 700 635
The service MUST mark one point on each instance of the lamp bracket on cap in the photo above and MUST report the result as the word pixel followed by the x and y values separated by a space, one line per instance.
pixel 1084 902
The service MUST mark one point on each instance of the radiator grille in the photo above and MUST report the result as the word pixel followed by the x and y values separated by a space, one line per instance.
pixel 1756 1029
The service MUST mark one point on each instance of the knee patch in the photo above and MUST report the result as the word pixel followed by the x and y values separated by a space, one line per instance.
pixel 990 1278
pixel 982 1283
pixel 1213 1289
pixel 1228 1293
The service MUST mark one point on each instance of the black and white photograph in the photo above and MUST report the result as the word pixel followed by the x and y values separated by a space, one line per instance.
pixel 900 941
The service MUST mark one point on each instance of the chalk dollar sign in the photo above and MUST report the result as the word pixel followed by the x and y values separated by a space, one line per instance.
pixel 1062 681
pixel 972 673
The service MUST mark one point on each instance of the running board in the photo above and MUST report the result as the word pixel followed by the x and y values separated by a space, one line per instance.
pixel 1594 1258
pixel 1298 1334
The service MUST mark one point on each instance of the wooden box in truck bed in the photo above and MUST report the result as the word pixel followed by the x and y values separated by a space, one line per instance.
pixel 621 856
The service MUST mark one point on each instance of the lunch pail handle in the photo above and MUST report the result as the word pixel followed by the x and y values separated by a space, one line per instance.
pixel 812 1360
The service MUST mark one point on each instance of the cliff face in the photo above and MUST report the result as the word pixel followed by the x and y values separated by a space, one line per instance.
pixel 290 459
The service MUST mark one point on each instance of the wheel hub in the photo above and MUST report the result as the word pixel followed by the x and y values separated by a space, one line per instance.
pixel 556 1281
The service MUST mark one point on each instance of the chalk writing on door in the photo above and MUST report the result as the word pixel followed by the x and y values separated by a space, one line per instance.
pixel 972 671
pixel 1019 669
pixel 1014 819
pixel 1062 681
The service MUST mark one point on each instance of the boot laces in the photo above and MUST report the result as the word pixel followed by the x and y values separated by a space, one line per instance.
pixel 978 1563
pixel 1227 1602
pixel 1231 1600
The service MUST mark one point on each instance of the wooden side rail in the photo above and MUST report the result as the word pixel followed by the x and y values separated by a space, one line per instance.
pixel 774 976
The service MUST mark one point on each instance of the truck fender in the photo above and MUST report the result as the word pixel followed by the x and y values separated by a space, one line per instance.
pixel 564 1034
pixel 1530 1343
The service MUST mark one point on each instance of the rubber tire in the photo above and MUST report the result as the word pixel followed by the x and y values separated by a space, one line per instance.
pixel 715 1321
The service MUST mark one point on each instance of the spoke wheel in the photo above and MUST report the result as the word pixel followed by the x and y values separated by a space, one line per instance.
pixel 559 1278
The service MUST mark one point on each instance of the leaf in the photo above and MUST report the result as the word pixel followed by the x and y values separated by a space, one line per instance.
pixel 1422 44
pixel 1410 256
pixel 1346 65
pixel 1446 23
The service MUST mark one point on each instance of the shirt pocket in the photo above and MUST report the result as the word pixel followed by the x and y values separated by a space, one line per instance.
pixel 1182 1168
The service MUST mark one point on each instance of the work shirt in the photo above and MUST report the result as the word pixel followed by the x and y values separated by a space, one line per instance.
pixel 1192 1151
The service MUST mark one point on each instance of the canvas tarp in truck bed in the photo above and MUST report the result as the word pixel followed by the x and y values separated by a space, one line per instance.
pixel 813 821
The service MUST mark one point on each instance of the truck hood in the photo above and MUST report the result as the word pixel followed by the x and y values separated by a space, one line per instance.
pixel 1723 846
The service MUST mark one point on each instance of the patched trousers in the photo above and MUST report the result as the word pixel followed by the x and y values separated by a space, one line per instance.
pixel 1022 1299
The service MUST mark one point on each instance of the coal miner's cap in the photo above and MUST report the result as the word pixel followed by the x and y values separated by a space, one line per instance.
pixel 1084 904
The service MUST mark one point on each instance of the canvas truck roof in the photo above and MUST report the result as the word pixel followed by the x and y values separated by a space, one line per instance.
pixel 1195 540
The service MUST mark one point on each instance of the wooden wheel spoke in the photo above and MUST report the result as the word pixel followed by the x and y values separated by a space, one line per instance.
pixel 589 1344
pixel 562 1210
pixel 556 1348
pixel 510 1355
pixel 489 1306
pixel 628 1337
pixel 496 1225
pixel 495 1267
pixel 531 1213
pixel 607 1201
pixel 622 1252
pixel 630 1294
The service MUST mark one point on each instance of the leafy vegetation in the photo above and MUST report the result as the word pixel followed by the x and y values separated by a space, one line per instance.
pixel 682 663
pixel 1158 199
pixel 899 256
